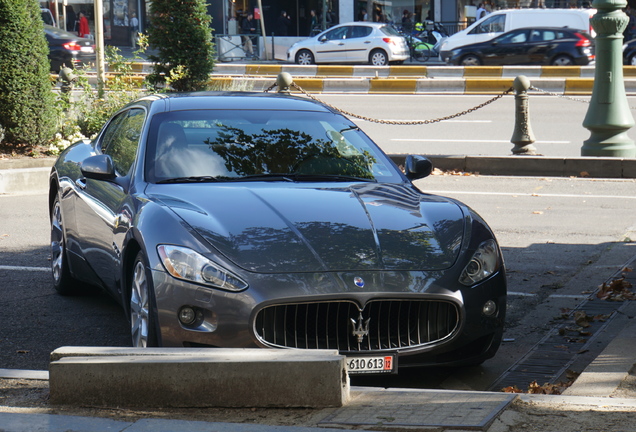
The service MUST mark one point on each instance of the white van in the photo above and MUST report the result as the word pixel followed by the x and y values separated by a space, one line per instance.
pixel 505 20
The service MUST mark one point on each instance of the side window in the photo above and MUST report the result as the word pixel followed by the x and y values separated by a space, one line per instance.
pixel 494 24
pixel 360 31
pixel 121 139
pixel 514 37
pixel 336 34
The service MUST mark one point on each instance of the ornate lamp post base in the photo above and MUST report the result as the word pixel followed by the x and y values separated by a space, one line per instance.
pixel 609 118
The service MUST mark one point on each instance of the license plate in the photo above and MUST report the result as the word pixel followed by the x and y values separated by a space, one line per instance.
pixel 371 364
pixel 86 49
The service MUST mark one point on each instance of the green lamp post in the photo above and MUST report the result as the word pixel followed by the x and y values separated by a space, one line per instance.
pixel 609 118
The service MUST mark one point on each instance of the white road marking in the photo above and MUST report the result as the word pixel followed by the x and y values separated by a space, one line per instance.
pixel 525 194
pixel 23 268
pixel 566 296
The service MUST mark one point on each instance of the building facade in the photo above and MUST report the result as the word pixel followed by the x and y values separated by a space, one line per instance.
pixel 227 15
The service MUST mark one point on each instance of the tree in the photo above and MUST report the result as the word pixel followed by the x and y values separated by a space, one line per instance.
pixel 180 32
pixel 27 103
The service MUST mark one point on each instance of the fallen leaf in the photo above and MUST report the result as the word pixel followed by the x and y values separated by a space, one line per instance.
pixel 584 174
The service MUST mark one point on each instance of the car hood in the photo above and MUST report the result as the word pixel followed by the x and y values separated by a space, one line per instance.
pixel 268 228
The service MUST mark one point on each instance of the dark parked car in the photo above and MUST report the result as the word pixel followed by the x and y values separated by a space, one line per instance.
pixel 68 49
pixel 528 46
pixel 629 53
pixel 260 220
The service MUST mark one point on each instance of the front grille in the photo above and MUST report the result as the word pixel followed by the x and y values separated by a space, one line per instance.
pixel 384 324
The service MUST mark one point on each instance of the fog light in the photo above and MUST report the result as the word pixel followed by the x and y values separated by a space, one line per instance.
pixel 187 315
pixel 489 309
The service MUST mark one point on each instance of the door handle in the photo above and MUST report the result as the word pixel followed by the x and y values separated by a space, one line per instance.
pixel 81 183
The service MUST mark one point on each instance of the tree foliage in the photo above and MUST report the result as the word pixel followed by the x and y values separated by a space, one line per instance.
pixel 180 32
pixel 27 103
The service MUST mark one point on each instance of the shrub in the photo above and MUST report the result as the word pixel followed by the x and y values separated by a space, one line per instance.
pixel 180 32
pixel 27 103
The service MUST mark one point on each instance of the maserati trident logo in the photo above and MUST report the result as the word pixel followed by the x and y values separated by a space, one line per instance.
pixel 358 329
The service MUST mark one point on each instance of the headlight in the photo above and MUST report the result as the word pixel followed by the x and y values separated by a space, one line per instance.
pixel 186 264
pixel 484 262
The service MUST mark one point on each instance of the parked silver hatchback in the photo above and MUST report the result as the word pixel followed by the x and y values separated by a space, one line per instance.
pixel 358 42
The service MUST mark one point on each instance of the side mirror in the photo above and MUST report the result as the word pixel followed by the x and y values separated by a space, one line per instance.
pixel 323 39
pixel 99 167
pixel 417 167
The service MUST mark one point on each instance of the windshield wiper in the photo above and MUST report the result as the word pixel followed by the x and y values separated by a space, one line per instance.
pixel 265 177
pixel 192 179
pixel 331 177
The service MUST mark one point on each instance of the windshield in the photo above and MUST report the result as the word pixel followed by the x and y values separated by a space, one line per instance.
pixel 256 145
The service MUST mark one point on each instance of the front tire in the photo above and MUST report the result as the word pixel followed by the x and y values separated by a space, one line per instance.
pixel 562 60
pixel 378 58
pixel 304 57
pixel 470 60
pixel 143 328
pixel 63 281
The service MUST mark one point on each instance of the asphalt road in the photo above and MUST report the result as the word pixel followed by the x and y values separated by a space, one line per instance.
pixel 561 239
pixel 556 123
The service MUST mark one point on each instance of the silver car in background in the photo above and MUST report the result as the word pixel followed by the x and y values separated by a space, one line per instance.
pixel 358 42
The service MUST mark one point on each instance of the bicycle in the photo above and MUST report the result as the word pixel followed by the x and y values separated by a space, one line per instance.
pixel 419 50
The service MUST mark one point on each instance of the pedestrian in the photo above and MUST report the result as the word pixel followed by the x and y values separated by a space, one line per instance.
pixel 282 25
pixel 407 23
pixel 313 25
pixel 363 15
pixel 134 30
pixel 249 28
pixel 71 19
pixel 83 29
pixel 481 12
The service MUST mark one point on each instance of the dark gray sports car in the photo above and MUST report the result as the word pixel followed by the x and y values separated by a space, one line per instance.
pixel 261 220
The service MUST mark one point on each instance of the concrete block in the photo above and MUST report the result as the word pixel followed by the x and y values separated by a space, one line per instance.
pixel 393 86
pixel 353 85
pixel 298 70
pixel 440 85
pixel 207 378
pixel 515 71
pixel 24 180
pixel 445 72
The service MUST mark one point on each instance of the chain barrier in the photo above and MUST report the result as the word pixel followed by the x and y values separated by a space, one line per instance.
pixel 560 95
pixel 397 122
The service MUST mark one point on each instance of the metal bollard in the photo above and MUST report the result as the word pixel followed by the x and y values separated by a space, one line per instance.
pixel 284 82
pixel 522 137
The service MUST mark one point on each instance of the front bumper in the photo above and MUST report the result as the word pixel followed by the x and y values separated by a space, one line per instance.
pixel 229 319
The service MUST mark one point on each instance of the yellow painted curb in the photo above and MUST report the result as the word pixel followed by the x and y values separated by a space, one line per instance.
pixel 487 85
pixel 629 71
pixel 483 71
pixel 410 71
pixel 392 85
pixel 580 86
pixel 255 69
pixel 334 71
pixel 221 82
pixel 560 71
pixel 310 84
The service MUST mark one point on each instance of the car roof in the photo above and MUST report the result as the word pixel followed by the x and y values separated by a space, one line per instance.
pixel 232 100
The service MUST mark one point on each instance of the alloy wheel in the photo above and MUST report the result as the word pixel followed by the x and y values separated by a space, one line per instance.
pixel 139 306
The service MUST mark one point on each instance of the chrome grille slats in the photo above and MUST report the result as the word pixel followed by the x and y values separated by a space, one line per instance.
pixel 394 324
